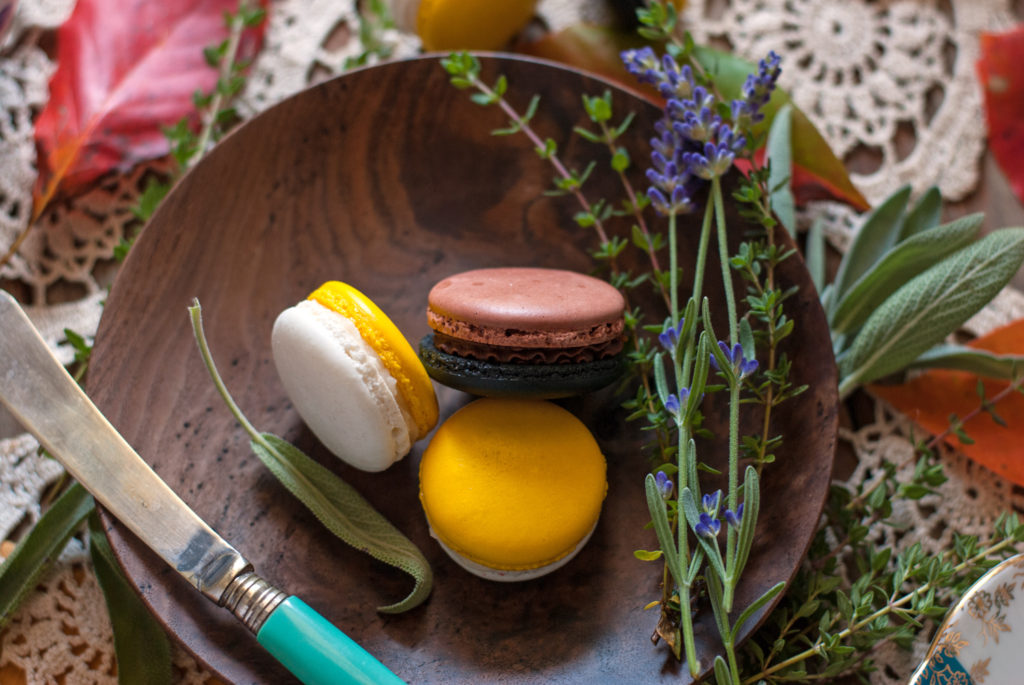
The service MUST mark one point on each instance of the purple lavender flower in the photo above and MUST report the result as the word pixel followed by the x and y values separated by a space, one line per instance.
pixel 757 90
pixel 708 526
pixel 664 483
pixel 710 503
pixel 742 366
pixel 734 518
pixel 644 64
pixel 669 336
pixel 692 142
pixel 674 403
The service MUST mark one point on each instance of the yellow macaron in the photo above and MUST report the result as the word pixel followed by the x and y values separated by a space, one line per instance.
pixel 462 24
pixel 353 377
pixel 512 489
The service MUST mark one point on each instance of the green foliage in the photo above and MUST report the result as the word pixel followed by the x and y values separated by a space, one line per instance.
pixel 140 644
pixel 930 306
pixel 826 626
pixel 40 547
pixel 335 503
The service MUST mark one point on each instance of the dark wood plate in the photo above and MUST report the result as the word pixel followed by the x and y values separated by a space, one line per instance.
pixel 389 178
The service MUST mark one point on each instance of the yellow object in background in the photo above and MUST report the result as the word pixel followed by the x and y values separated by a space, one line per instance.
pixel 463 24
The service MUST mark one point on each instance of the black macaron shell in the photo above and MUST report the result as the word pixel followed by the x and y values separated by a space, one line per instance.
pixel 518 381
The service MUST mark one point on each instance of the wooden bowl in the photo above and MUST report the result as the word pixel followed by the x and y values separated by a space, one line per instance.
pixel 389 178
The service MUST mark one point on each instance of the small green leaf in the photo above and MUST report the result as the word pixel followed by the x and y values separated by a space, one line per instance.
pixel 977 361
pixel 898 266
pixel 150 199
pixel 587 135
pixel 926 214
pixel 755 606
pixel 747 339
pixel 662 529
pixel 140 644
pixel 620 160
pixel 780 171
pixel 40 547
pixel 648 555
pixel 876 235
pixel 815 254
pixel 931 306
pixel 722 675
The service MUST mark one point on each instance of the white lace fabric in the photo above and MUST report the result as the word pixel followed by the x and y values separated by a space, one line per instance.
pixel 871 74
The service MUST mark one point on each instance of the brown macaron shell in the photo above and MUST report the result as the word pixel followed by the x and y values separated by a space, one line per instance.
pixel 525 307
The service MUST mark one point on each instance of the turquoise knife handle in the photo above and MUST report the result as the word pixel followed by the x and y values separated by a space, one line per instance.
pixel 315 651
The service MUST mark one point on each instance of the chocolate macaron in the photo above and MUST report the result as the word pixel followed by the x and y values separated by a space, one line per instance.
pixel 524 332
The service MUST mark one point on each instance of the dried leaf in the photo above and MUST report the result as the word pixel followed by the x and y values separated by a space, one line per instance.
pixel 929 400
pixel 124 71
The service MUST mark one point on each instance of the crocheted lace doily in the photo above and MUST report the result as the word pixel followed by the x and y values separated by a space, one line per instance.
pixel 871 74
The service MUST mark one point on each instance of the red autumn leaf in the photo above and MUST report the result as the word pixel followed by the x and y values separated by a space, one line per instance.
pixel 932 397
pixel 1003 83
pixel 124 71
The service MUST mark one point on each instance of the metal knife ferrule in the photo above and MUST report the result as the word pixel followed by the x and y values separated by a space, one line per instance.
pixel 252 599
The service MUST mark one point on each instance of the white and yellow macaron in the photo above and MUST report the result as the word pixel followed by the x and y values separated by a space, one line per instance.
pixel 353 377
pixel 512 489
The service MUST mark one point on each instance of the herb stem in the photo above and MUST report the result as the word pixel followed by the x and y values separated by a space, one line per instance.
pixel 884 611
pixel 227 65
pixel 196 312
pixel 638 214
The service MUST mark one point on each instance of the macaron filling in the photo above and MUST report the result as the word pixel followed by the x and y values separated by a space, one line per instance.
pixel 506 575
pixel 415 392
pixel 340 388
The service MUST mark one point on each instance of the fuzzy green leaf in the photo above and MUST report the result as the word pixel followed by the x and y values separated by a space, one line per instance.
pixel 877 234
pixel 931 306
pixel 335 503
pixel 977 361
pixel 40 547
pixel 780 171
pixel 756 605
pixel 140 644
pixel 659 516
pixel 898 266
pixel 815 254
pixel 344 512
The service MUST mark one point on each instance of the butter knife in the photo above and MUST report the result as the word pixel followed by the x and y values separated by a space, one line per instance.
pixel 44 398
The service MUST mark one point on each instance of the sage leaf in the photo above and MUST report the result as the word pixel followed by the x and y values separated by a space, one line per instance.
pixel 877 234
pixel 780 171
pixel 981 362
pixel 335 503
pixel 344 512
pixel 898 266
pixel 815 254
pixel 926 214
pixel 931 306
pixel 37 551
pixel 141 646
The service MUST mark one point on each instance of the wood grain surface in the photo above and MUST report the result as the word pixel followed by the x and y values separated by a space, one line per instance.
pixel 388 178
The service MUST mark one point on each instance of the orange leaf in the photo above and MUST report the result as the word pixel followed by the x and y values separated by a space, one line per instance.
pixel 930 398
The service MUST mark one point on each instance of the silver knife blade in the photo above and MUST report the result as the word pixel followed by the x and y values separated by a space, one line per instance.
pixel 48 402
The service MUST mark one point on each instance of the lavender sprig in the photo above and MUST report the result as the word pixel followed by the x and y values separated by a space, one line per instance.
pixel 695 145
